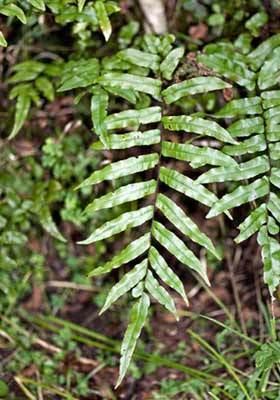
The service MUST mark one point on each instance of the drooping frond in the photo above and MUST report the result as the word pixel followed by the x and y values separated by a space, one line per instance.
pixel 255 122
pixel 239 144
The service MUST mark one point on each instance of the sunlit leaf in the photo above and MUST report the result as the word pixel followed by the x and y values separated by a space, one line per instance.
pixel 241 195
pixel 129 253
pixel 160 294
pixel 178 249
pixel 193 86
pixel 138 317
pixel 165 273
pixel 197 125
pixel 127 282
pixel 125 221
pixel 124 194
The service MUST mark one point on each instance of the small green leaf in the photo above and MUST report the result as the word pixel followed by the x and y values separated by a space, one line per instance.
pixel 127 282
pixel 138 316
pixel 271 98
pixel 3 41
pixel 160 294
pixel 125 119
pixel 45 86
pixel 187 186
pixel 197 156
pixel 99 105
pixel 140 58
pixel 252 145
pixel 269 74
pixel 275 177
pixel 246 127
pixel 274 206
pixel 252 223
pixel 170 63
pixel 240 107
pixel 12 10
pixel 183 223
pixel 127 94
pixel 193 86
pixel 103 19
pixel 121 168
pixel 247 170
pixel 178 249
pixel 131 139
pixel 165 273
pixel 27 71
pixel 129 253
pixel 81 4
pixel 271 259
pixel 241 195
pixel 48 224
pixel 258 56
pixel 274 151
pixel 125 221
pixel 223 59
pixel 22 109
pixel 128 81
pixel 124 194
pixel 4 389
pixel 256 22
pixel 197 125
pixel 79 74
pixel 40 4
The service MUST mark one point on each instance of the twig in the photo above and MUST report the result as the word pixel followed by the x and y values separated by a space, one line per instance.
pixel 70 285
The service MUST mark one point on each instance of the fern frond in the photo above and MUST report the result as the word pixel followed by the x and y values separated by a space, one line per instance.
pixel 239 143
pixel 257 154
pixel 127 129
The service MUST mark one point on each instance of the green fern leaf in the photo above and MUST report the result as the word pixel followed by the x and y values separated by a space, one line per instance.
pixel 40 4
pixel 140 58
pixel 247 170
pixel 12 10
pixel 165 273
pixel 128 281
pixel 103 19
pixel 99 105
pixel 242 195
pixel 123 195
pixel 170 63
pixel 252 223
pixel 178 249
pixel 183 223
pixel 187 186
pixel 195 155
pixel 197 125
pixel 240 107
pixel 138 317
pixel 129 253
pixel 160 294
pixel 128 140
pixel 123 222
pixel 23 105
pixel 193 86
pixel 118 169
pixel 246 127
pixel 3 41
pixel 128 81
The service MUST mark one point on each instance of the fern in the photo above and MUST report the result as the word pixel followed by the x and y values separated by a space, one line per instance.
pixel 137 75
pixel 255 122
pixel 243 148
